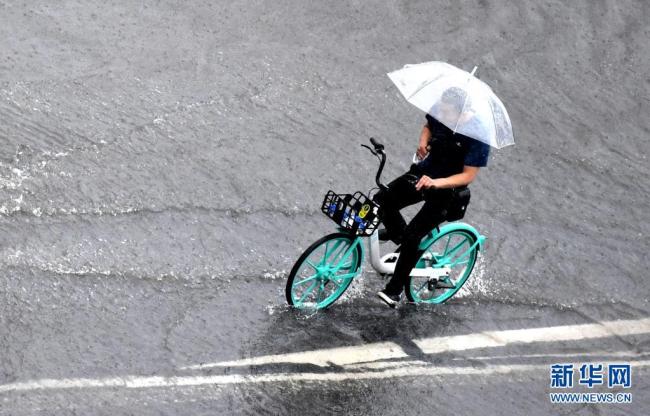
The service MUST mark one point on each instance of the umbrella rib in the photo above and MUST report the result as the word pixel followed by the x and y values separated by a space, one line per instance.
pixel 466 95
pixel 421 87
pixel 494 121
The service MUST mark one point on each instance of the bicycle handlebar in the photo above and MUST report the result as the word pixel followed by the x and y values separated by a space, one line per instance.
pixel 379 152
pixel 378 146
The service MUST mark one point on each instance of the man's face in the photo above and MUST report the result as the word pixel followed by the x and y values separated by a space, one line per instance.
pixel 447 113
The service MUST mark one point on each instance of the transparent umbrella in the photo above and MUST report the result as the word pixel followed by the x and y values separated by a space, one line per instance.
pixel 457 99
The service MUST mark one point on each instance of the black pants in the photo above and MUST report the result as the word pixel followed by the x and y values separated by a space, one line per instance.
pixel 401 193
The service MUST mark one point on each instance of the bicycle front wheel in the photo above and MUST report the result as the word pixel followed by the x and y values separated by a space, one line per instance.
pixel 453 250
pixel 324 272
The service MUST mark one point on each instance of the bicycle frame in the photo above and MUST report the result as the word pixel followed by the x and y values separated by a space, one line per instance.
pixel 386 264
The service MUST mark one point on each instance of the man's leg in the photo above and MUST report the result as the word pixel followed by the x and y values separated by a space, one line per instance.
pixel 401 193
pixel 430 215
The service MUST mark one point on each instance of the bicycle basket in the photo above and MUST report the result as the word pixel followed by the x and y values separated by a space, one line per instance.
pixel 355 212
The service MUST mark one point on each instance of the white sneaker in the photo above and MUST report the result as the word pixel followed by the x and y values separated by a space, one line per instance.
pixel 390 300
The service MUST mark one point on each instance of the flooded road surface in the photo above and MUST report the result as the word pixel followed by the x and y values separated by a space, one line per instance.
pixel 162 166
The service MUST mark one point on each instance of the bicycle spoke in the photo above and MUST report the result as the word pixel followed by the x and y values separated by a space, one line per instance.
pixel 335 282
pixel 347 266
pixel 311 264
pixel 455 249
pixel 449 280
pixel 456 263
pixel 320 291
pixel 447 246
pixel 421 287
pixel 307 279
pixel 334 254
pixel 348 252
pixel 435 256
pixel 324 258
pixel 465 254
pixel 344 276
pixel 307 292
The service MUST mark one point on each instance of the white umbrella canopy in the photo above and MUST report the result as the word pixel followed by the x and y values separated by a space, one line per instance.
pixel 457 99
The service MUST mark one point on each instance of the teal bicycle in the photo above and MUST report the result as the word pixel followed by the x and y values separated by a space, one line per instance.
pixel 326 269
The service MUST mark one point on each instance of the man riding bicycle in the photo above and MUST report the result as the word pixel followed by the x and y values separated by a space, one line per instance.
pixel 448 160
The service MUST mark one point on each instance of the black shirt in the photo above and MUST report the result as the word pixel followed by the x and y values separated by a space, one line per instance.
pixel 450 151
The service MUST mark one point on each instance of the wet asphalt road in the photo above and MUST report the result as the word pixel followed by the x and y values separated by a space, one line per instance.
pixel 162 166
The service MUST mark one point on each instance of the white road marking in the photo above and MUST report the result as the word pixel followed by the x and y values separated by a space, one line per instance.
pixel 366 355
pixel 136 382
pixel 489 339
pixel 605 354
pixel 322 358
pixel 385 364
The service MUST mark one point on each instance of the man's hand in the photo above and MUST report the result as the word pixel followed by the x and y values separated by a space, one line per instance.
pixel 426 182
pixel 464 178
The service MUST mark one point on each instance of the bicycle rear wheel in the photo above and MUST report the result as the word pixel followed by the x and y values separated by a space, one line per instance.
pixel 451 249
pixel 314 281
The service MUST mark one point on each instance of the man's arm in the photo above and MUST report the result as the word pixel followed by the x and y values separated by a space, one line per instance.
pixel 424 141
pixel 464 178
pixel 476 157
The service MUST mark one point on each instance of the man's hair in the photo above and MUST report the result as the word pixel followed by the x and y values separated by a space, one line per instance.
pixel 455 96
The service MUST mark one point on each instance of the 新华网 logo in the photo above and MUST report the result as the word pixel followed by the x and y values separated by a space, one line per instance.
pixel 590 376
